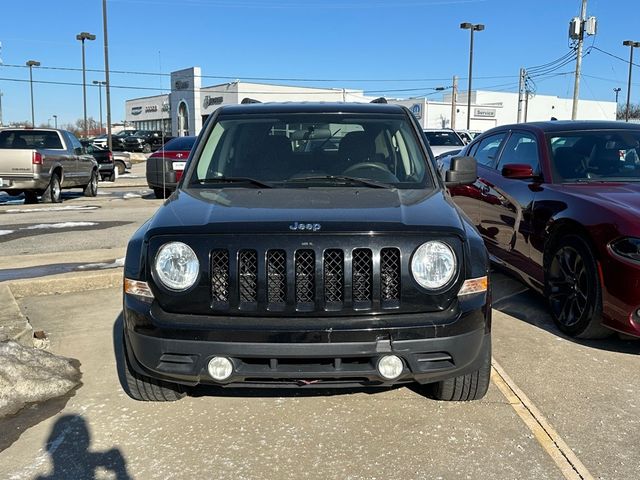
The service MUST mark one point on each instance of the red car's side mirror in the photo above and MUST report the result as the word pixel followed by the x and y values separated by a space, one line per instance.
pixel 517 171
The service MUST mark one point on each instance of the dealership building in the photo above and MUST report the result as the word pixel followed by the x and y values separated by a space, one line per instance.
pixel 184 110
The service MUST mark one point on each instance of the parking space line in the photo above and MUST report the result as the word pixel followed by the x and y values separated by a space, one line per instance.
pixel 569 464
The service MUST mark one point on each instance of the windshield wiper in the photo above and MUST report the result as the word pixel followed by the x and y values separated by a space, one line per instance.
pixel 251 181
pixel 342 178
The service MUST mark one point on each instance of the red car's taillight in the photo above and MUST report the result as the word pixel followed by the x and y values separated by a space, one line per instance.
pixel 36 159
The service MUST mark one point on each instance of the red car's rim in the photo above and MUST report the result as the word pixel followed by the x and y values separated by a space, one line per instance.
pixel 568 286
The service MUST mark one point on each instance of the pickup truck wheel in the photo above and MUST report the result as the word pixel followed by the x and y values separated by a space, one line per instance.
pixel 114 175
pixel 30 197
pixel 147 389
pixel 146 148
pixel 120 168
pixel 472 386
pixel 572 285
pixel 91 189
pixel 53 193
pixel 161 193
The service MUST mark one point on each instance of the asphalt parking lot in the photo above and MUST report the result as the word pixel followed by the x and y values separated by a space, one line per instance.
pixel 583 397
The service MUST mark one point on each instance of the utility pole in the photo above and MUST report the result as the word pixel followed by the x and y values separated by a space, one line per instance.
pixel 526 102
pixel 576 84
pixel 1 107
pixel 454 99
pixel 100 83
pixel 106 71
pixel 55 121
pixel 631 44
pixel 521 88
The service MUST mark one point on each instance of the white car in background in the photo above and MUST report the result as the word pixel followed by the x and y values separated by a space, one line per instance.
pixel 443 140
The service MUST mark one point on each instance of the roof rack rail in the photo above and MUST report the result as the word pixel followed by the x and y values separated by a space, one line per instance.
pixel 246 100
pixel 379 100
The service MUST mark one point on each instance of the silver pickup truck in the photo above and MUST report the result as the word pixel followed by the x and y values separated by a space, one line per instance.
pixel 44 161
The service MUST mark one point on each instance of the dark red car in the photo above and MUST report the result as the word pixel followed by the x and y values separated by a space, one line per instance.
pixel 558 203
pixel 165 166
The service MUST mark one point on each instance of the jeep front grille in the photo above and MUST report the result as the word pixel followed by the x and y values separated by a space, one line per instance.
pixel 306 280
pixel 220 276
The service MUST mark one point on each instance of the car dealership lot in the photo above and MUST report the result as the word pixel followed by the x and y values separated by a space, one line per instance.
pixel 588 391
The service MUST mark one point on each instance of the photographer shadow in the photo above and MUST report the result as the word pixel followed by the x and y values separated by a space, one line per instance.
pixel 69 445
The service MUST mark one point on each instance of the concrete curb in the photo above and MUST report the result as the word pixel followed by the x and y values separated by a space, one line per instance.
pixel 13 325
pixel 66 283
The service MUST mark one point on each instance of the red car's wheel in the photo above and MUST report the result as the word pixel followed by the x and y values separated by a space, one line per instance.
pixel 574 291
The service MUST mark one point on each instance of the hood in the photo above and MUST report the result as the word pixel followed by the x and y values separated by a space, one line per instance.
pixel 439 150
pixel 327 210
pixel 620 196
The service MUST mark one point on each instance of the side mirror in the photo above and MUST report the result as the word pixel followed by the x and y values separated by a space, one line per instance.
pixel 79 151
pixel 462 171
pixel 517 171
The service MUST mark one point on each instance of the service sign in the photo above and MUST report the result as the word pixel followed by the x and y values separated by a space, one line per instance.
pixel 484 112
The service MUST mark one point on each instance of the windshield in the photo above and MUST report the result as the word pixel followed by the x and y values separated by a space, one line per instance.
pixel 443 139
pixel 596 156
pixel 302 150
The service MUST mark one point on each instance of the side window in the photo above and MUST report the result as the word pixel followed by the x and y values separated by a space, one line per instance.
pixel 74 142
pixel 486 151
pixel 521 148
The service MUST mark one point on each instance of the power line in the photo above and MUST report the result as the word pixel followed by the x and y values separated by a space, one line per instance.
pixel 615 56
pixel 275 79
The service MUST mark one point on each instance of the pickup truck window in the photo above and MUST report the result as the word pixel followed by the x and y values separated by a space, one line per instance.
pixel 30 139
pixel 286 149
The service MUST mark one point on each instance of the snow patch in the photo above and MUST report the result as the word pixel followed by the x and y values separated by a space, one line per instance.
pixel 131 195
pixel 45 226
pixel 51 209
pixel 117 263
pixel 28 375
pixel 6 232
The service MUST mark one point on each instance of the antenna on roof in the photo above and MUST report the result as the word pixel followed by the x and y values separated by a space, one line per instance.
pixel 379 100
pixel 249 100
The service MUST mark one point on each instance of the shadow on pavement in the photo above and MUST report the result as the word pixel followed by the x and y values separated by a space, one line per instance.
pixel 512 297
pixel 246 392
pixel 68 446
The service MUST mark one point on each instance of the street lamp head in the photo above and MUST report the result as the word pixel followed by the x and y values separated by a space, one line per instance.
pixel 466 25
pixel 33 63
pixel 479 27
pixel 631 43
pixel 85 36
pixel 99 82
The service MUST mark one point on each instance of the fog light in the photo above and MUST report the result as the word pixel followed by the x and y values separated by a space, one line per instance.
pixel 390 367
pixel 220 368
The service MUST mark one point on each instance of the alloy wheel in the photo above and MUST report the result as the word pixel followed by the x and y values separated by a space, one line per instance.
pixel 568 286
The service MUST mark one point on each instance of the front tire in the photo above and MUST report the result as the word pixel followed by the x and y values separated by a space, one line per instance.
pixel 120 167
pixel 572 285
pixel 91 189
pixel 464 388
pixel 53 193
pixel 161 193
pixel 147 389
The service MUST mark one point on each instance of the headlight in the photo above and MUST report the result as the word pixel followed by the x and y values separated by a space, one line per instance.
pixel 176 266
pixel 433 265
pixel 627 247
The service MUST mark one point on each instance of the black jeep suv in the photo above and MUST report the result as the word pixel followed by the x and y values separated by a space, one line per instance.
pixel 282 265
pixel 144 141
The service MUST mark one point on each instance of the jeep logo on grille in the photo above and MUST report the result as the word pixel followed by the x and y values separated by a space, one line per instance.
pixel 310 227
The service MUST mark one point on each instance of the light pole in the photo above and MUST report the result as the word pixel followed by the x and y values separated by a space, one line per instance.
pixel 31 64
pixel 82 36
pixel 1 107
pixel 478 27
pixel 55 121
pixel 100 84
pixel 631 44
pixel 617 92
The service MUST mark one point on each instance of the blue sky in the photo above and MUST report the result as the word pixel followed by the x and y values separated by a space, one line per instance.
pixel 375 45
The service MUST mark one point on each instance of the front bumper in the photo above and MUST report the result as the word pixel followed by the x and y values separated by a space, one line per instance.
pixel 305 355
pixel 621 294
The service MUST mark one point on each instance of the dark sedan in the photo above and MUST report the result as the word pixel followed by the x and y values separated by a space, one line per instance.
pixel 558 203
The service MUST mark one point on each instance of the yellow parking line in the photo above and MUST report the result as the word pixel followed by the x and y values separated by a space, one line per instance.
pixel 569 464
